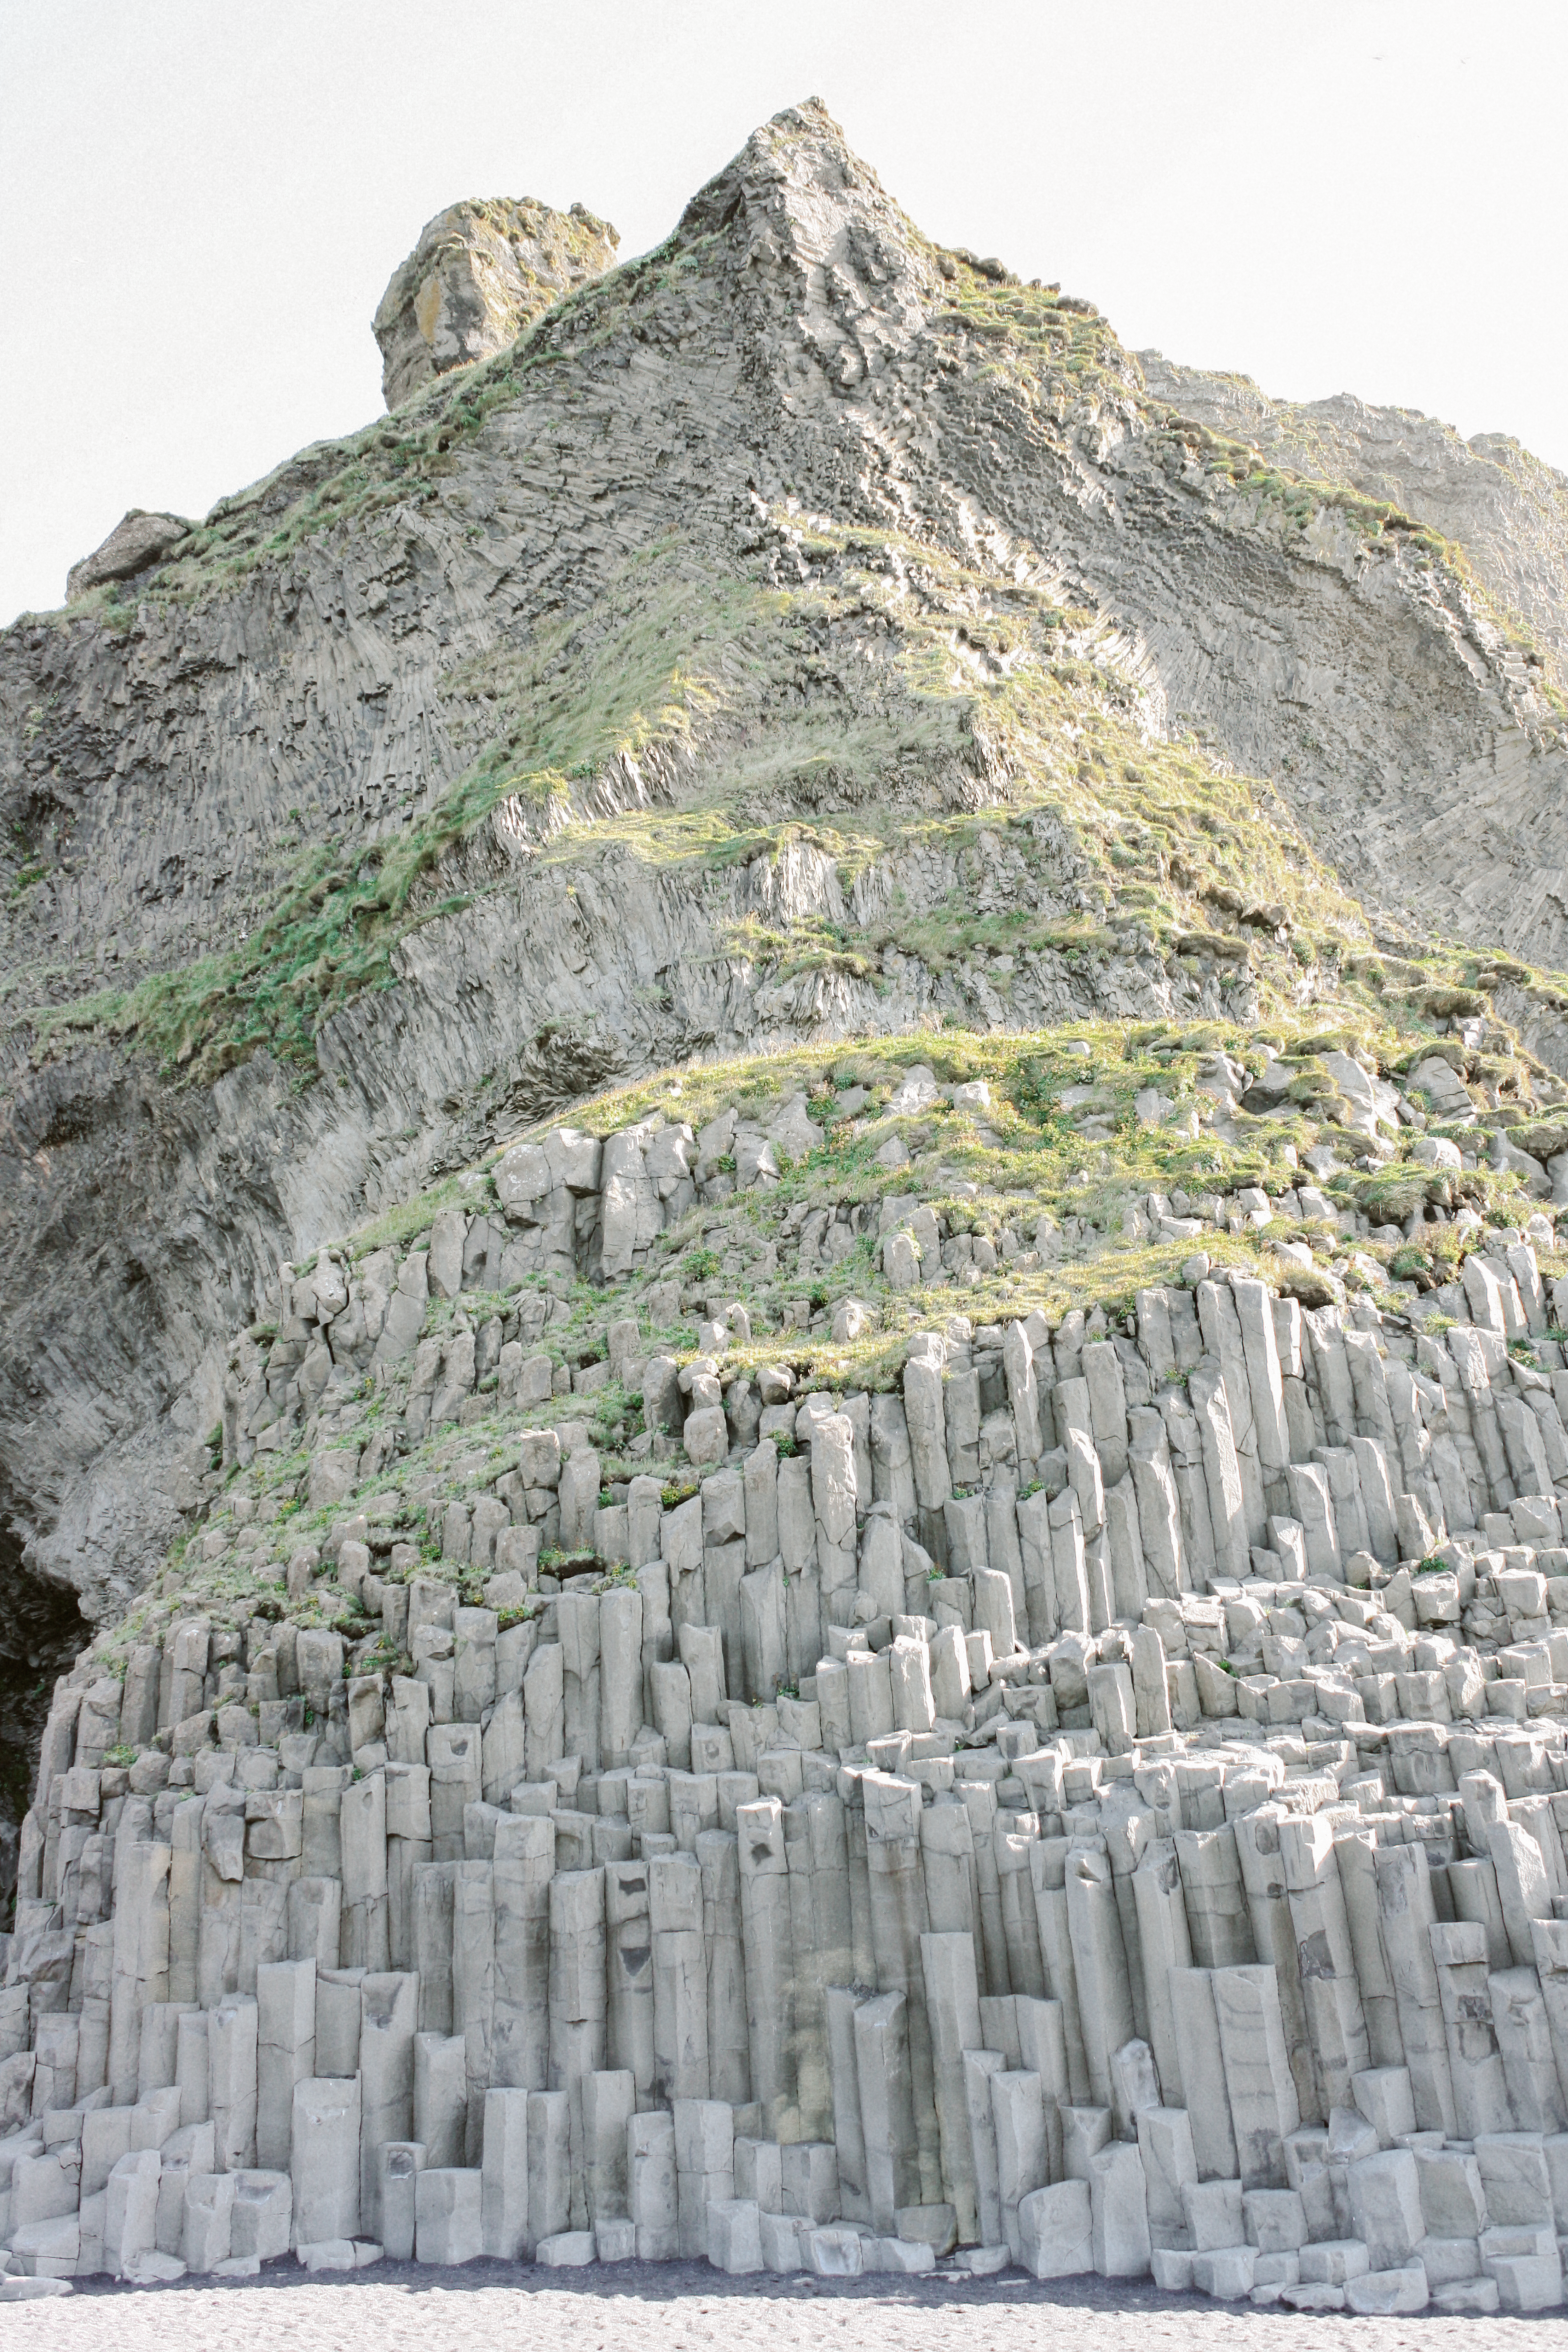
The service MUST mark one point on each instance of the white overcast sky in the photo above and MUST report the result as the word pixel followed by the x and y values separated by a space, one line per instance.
pixel 202 200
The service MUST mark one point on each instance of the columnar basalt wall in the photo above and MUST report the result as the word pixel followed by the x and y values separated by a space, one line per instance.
pixel 1098 1805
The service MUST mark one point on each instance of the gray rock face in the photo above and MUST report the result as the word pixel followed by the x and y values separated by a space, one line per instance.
pixel 481 271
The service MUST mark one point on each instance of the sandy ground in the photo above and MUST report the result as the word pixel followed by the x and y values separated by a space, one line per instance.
pixel 686 2307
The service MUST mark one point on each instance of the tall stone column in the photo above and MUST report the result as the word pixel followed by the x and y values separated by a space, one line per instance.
pixel 1274 1936
pixel 609 2106
pixel 723 1938
pixel 544 1708
pixel 1016 1895
pixel 1551 1939
pixel 853 1797
pixel 991 1951
pixel 389 2018
pixel 1408 1916
pixel 705 2166
pixel 231 2077
pixel 503 2192
pixel 765 1630
pixel 620 1674
pixel 520 2019
pixel 550 2186
pixel 1100 1965
pixel 629 1976
pixel 1166 1944
pixel 577 1619
pixel 1327 1963
pixel 440 2098
pixel 765 1914
pixel 1258 2082
pixel 952 2005
pixel 1475 2062
pixel 679 1977
pixel 947 1855
pixel 657 1631
pixel 286 2052
pixel 888 2120
pixel 1042 2049
pixel 1202 2073
pixel 366 1925
pixel 848 2135
pixel 1217 1916
pixel 140 1963
pixel 314 1919
pixel 1357 1857
pixel 184 1898
pixel 816 1852
pixel 680 1545
pixel 578 2005
pixel 899 1920
pixel 981 2068
pixel 1047 1869
pixel 325 2160
pixel 653 2183
pixel 473 1989
pixel 1524 2042
pixel 803 1620
pixel 434 1887
pixel 1017 2106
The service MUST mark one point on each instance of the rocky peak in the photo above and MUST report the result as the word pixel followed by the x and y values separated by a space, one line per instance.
pixel 796 207
pixel 481 271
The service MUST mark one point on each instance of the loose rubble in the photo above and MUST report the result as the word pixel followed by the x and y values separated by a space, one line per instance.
pixel 1098 1804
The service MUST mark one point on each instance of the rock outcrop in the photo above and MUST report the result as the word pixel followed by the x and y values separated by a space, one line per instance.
pixel 137 542
pixel 480 273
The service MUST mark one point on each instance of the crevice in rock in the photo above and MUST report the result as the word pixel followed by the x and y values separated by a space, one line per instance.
pixel 41 1631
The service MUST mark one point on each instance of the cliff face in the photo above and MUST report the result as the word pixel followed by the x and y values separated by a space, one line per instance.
pixel 1503 507
pixel 664 684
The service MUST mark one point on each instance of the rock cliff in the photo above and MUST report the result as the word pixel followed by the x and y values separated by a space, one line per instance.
pixel 790 791
pixel 1505 509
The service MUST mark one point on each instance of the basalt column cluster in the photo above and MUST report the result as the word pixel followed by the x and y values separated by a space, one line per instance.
pixel 1099 1806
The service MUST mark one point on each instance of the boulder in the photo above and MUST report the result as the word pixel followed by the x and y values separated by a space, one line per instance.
pixel 136 541
pixel 481 271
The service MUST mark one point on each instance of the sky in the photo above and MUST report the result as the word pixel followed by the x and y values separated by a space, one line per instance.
pixel 201 201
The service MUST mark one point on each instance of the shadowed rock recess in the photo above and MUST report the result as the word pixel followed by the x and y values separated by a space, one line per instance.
pixel 785 1127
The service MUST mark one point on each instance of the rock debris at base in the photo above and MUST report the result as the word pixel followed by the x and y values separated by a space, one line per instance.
pixel 675 2310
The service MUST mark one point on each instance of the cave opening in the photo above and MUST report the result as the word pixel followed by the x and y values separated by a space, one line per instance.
pixel 41 1630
